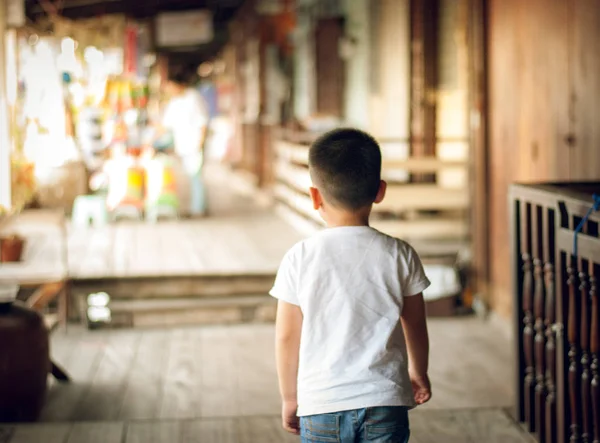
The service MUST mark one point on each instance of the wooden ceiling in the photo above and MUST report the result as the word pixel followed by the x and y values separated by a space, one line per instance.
pixel 223 11
pixel 74 9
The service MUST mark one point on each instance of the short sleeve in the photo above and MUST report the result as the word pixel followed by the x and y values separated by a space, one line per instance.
pixel 285 286
pixel 416 281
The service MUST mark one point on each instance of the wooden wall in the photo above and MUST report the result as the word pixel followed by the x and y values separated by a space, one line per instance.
pixel 5 198
pixel 544 107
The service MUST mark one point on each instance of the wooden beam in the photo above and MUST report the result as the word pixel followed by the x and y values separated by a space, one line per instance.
pixel 424 229
pixel 421 228
pixel 423 197
pixel 296 153
pixel 75 9
pixel 400 197
pixel 175 286
pixel 424 32
pixel 480 185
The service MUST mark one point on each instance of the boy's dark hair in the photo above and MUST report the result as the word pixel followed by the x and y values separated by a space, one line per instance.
pixel 345 164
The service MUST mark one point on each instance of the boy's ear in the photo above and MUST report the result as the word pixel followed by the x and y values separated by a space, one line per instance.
pixel 316 198
pixel 381 193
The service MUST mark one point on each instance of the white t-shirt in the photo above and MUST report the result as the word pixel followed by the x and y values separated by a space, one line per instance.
pixel 185 115
pixel 350 283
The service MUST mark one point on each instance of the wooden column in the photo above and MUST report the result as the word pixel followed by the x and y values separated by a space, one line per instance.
pixel 479 148
pixel 329 66
pixel 424 33
pixel 5 199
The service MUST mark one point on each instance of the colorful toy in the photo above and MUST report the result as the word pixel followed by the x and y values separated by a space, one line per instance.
pixel 161 188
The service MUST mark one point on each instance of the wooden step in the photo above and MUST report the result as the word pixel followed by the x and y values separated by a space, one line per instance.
pixel 192 311
pixel 143 287
pixel 146 288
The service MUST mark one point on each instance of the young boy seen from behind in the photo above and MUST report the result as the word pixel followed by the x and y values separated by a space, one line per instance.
pixel 351 337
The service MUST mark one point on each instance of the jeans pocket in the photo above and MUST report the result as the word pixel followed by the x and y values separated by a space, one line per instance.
pixel 320 428
pixel 387 424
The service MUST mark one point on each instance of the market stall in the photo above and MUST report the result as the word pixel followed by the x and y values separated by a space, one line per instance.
pixel 82 95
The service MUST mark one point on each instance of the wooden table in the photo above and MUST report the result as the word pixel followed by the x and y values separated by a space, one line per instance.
pixel 44 265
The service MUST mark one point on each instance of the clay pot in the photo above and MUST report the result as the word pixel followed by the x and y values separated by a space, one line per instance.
pixel 11 248
pixel 24 363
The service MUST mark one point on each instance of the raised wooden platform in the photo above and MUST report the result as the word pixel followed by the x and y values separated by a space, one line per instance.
pixel 235 252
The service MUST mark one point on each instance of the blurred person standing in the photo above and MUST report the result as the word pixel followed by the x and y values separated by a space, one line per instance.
pixel 186 118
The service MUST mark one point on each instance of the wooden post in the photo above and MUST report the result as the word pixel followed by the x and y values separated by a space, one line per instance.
pixel 424 34
pixel 516 208
pixel 480 174
pixel 5 199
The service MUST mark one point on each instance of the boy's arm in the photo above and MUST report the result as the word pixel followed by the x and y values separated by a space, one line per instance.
pixel 417 340
pixel 287 348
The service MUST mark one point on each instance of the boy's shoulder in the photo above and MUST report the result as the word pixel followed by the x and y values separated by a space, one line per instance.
pixel 396 245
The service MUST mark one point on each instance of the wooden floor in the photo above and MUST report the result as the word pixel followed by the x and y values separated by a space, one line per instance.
pixel 458 426
pixel 218 384
pixel 239 237
pixel 242 244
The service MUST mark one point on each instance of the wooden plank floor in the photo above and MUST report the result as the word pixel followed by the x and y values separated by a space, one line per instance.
pixel 243 244
pixel 218 384
pixel 229 371
pixel 457 426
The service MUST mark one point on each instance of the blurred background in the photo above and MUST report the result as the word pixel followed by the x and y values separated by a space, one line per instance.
pixel 155 275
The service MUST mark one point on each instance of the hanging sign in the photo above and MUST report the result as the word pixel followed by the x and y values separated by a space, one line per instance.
pixel 186 28
pixel 130 50
pixel 15 13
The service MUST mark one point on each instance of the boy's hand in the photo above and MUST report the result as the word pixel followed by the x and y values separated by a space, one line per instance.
pixel 421 388
pixel 290 421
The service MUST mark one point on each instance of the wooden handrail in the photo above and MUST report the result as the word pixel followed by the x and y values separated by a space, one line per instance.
pixel 298 154
pixel 559 382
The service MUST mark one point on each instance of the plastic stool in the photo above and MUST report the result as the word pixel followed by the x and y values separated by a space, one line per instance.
pixel 161 190
pixel 127 211
pixel 89 208
pixel 154 212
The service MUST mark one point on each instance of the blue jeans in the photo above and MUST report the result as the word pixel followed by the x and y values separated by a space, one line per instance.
pixel 197 194
pixel 386 424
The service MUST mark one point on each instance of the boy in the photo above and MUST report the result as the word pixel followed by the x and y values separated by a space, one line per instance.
pixel 351 337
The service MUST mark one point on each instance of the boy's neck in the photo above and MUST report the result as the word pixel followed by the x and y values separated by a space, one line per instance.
pixel 336 219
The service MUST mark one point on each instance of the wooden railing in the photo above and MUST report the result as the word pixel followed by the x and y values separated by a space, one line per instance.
pixel 411 210
pixel 557 311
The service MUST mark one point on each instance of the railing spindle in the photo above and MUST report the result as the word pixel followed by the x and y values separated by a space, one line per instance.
pixel 540 370
pixel 528 340
pixel 573 353
pixel 595 350
pixel 584 338
pixel 550 354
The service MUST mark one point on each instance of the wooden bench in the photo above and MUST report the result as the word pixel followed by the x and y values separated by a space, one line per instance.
pixel 416 211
